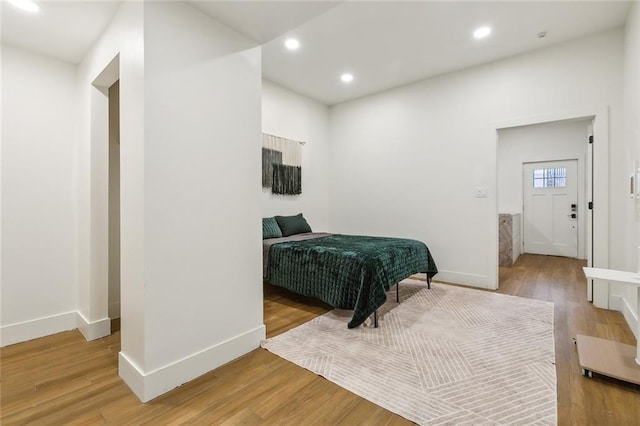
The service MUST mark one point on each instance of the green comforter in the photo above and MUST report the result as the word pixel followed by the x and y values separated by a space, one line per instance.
pixel 346 271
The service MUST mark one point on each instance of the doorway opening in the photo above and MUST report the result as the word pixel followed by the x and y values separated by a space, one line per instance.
pixel 545 188
pixel 114 205
pixel 100 297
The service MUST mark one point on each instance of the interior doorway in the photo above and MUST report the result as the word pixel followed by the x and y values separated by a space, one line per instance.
pixel 545 143
pixel 550 208
pixel 595 206
pixel 99 301
pixel 114 202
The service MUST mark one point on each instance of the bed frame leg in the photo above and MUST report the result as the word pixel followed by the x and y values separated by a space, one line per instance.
pixel 398 293
pixel 428 282
pixel 375 319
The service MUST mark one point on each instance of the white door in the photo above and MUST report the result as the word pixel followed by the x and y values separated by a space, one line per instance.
pixel 551 208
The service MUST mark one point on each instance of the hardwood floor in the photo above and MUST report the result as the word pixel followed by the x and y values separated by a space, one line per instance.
pixel 62 379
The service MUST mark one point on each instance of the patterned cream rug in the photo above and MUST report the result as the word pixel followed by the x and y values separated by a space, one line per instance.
pixel 448 355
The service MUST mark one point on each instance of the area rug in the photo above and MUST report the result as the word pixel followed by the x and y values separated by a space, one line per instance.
pixel 445 355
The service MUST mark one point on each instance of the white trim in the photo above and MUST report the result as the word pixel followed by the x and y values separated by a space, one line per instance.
pixel 131 374
pixel 39 327
pixel 95 329
pixel 159 381
pixel 462 278
pixel 615 302
pixel 580 114
pixel 600 213
pixel 110 73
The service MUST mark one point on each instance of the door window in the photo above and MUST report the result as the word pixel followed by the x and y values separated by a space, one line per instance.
pixel 550 178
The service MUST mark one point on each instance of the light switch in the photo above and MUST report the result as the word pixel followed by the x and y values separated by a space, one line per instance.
pixel 481 192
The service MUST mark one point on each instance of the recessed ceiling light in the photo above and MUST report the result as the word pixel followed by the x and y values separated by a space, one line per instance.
pixel 26 5
pixel 346 77
pixel 482 32
pixel 292 44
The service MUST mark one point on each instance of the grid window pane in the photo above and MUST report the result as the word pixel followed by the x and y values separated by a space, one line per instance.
pixel 550 178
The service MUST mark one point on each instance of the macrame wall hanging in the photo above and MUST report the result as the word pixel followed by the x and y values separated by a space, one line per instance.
pixel 281 165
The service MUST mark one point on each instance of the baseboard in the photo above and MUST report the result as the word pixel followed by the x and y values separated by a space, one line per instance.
pixel 631 318
pixel 114 310
pixel 615 302
pixel 93 330
pixel 148 386
pixel 471 280
pixel 131 374
pixel 39 327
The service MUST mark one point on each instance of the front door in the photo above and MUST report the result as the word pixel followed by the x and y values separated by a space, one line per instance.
pixel 551 208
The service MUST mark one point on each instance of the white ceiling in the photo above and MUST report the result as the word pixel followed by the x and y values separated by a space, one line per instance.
pixel 61 29
pixel 263 20
pixel 383 43
pixel 386 44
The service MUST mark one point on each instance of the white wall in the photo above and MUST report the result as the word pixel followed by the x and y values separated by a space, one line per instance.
pixel 406 162
pixel 191 288
pixel 38 196
pixel 560 140
pixel 290 115
pixel 202 159
pixel 628 211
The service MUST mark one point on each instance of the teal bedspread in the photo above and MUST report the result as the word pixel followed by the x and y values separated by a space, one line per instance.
pixel 347 271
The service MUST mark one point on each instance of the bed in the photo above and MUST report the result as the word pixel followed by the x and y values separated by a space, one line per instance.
pixel 346 271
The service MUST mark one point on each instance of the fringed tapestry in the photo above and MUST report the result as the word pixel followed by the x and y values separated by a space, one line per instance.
pixel 281 165
pixel 287 179
pixel 269 158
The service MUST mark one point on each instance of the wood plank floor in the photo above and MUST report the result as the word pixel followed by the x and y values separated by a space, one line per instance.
pixel 62 379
